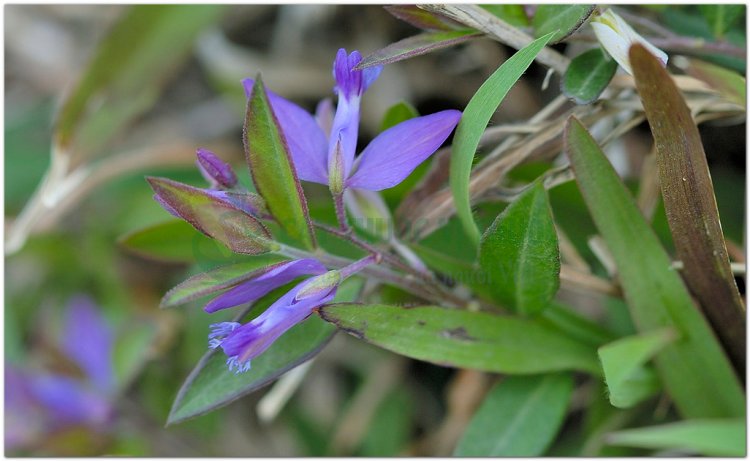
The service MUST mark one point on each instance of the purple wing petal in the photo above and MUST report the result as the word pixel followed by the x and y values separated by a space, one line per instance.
pixel 250 340
pixel 307 142
pixel 253 289
pixel 88 341
pixel 397 151
pixel 68 401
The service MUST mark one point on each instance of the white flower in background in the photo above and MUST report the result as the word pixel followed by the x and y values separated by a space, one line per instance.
pixel 616 36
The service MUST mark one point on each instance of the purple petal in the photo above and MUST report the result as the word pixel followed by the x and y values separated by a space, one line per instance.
pixel 254 289
pixel 397 151
pixel 253 338
pixel 308 144
pixel 68 401
pixel 215 170
pixel 324 113
pixel 352 83
pixel 88 341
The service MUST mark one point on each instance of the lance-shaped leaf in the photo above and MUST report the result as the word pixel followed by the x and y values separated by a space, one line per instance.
pixel 689 201
pixel 211 385
pixel 463 339
pixel 473 122
pixel 628 379
pixel 694 370
pixel 174 241
pixel 519 253
pixel 727 82
pixel 127 72
pixel 416 46
pixel 562 20
pixel 707 437
pixel 239 231
pixel 588 75
pixel 218 279
pixel 419 18
pixel 519 417
pixel 272 168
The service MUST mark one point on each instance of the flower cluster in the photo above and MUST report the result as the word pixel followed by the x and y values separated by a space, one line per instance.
pixel 323 150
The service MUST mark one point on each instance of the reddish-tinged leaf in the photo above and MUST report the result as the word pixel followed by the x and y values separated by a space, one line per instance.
pixel 419 18
pixel 689 201
pixel 416 46
pixel 239 231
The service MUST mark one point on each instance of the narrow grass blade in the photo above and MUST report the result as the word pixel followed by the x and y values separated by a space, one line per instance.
pixel 694 370
pixel 477 114
pixel 720 437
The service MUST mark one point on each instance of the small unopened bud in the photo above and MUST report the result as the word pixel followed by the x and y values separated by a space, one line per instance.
pixel 320 286
pixel 616 36
pixel 336 170
pixel 215 170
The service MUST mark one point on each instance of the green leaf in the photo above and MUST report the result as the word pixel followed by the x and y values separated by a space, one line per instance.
pixel 211 385
pixel 416 46
pixel 397 113
pixel 628 379
pixel 477 114
pixel 729 83
pixel 171 241
pixel 588 75
pixel 562 20
pixel 238 230
pixel 512 14
pixel 519 253
pixel 704 437
pixel 272 168
pixel 463 339
pixel 721 17
pixel 218 279
pixel 519 417
pixel 689 201
pixel 127 73
pixel 694 370
pixel 574 325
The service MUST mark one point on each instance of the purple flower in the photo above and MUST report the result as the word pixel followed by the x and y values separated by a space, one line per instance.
pixel 328 156
pixel 39 401
pixel 242 343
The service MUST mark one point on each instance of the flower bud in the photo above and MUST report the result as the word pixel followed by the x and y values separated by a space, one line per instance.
pixel 215 170
pixel 616 36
